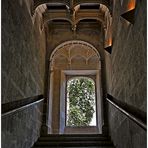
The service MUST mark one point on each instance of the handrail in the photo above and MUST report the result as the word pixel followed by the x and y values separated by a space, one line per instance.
pixel 37 100
pixel 134 114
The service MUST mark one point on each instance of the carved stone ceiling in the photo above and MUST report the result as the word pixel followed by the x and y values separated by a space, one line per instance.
pixel 71 4
pixel 74 11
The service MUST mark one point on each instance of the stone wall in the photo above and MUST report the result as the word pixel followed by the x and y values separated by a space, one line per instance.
pixel 61 32
pixel 21 129
pixel 23 70
pixel 129 57
pixel 124 132
pixel 23 52
pixel 126 75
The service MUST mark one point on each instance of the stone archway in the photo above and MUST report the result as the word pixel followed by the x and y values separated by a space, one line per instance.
pixel 77 58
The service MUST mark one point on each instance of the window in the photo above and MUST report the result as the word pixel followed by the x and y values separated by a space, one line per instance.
pixel 81 102
pixel 71 60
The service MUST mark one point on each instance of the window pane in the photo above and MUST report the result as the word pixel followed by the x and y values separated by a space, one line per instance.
pixel 81 105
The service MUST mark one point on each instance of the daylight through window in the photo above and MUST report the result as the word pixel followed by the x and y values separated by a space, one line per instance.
pixel 81 102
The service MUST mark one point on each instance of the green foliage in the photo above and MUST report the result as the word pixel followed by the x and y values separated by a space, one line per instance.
pixel 81 99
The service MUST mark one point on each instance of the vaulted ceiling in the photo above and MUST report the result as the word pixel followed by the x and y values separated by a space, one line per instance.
pixel 74 11
pixel 71 4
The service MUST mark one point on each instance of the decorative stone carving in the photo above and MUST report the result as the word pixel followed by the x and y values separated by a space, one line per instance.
pixel 75 54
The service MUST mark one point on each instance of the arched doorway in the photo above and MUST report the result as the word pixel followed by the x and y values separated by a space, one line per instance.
pixel 73 59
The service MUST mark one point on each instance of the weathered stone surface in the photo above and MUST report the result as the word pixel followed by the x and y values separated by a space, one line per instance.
pixel 128 58
pixel 21 129
pixel 23 52
pixel 126 78
pixel 124 132
pixel 23 68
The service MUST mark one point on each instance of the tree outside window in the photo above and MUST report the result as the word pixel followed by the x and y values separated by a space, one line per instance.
pixel 80 101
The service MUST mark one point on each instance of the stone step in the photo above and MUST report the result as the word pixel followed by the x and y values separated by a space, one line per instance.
pixel 74 141
pixel 74 135
pixel 61 138
pixel 73 144
pixel 76 147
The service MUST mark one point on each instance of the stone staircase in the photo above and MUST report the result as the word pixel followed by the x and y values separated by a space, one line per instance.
pixel 74 141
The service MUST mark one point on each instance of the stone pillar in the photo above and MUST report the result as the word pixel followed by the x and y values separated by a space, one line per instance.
pixel 49 105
